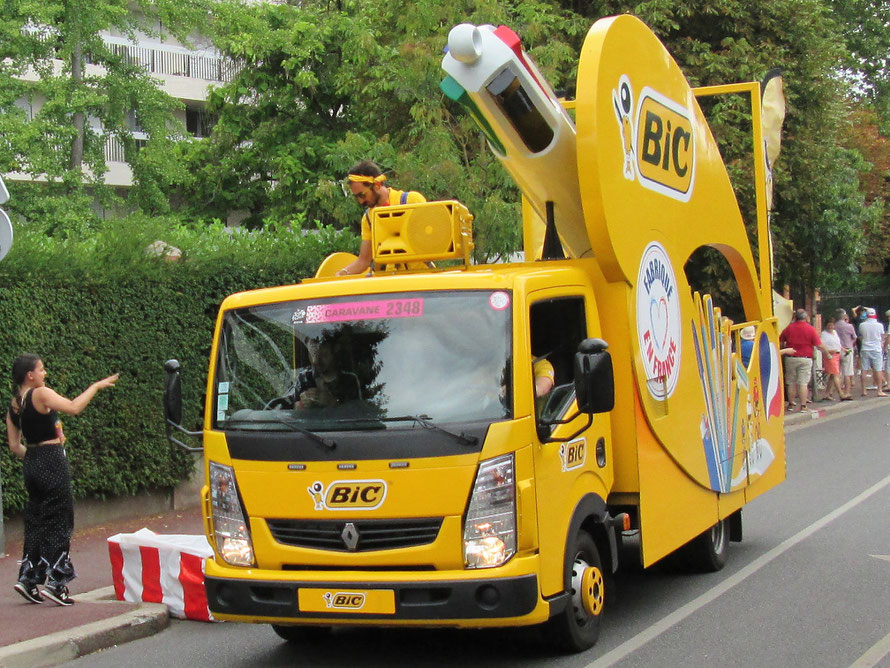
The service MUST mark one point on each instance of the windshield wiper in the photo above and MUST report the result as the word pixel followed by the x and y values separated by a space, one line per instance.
pixel 426 422
pixel 287 423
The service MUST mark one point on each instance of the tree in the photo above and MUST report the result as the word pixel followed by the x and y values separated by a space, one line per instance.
pixel 65 91
pixel 323 84
pixel 866 29
pixel 866 138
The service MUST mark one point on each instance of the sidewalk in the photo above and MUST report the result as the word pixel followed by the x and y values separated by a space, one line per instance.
pixel 821 409
pixel 48 635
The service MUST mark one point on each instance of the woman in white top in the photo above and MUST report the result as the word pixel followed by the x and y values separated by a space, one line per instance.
pixel 832 365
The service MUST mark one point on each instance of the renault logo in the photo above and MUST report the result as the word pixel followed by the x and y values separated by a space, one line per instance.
pixel 349 536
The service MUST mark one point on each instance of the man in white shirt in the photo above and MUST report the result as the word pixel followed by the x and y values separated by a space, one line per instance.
pixel 873 337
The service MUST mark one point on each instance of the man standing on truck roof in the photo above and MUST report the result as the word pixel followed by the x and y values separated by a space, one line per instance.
pixel 803 338
pixel 366 181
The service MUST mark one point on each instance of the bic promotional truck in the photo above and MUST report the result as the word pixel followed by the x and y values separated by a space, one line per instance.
pixel 375 449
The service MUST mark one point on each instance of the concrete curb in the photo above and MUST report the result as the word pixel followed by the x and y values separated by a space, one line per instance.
pixel 57 648
pixel 794 421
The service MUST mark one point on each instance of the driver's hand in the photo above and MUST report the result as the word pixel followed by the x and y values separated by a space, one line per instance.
pixel 315 397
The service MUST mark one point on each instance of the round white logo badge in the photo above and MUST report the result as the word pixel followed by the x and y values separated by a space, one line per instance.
pixel 658 321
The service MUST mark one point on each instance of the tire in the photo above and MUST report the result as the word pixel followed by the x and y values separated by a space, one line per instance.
pixel 577 627
pixel 301 635
pixel 707 553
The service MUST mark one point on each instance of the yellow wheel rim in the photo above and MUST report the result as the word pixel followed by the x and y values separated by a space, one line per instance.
pixel 592 591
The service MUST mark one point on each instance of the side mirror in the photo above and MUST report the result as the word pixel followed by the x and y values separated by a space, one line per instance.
pixel 594 379
pixel 172 392
pixel 173 406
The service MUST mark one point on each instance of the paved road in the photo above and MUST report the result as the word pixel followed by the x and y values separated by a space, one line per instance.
pixel 809 586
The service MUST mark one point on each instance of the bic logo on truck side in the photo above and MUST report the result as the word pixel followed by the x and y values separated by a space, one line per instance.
pixel 348 494
pixel 573 454
pixel 661 150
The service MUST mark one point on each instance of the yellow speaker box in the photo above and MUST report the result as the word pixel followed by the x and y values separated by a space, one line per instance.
pixel 421 232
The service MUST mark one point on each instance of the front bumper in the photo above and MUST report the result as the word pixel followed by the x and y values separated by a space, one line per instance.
pixel 417 600
pixel 506 596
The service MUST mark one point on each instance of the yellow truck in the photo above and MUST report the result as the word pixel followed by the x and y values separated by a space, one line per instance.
pixel 375 449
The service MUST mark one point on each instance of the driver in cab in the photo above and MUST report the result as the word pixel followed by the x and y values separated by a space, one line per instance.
pixel 324 385
pixel 544 375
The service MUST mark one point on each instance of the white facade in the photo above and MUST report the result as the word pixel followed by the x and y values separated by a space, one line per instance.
pixel 183 73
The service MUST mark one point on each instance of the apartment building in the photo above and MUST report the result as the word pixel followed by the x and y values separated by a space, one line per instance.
pixel 184 73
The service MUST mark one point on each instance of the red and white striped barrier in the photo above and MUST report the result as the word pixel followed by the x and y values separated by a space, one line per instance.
pixel 157 568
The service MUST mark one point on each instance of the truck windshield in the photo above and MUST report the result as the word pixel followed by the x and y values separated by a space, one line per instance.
pixel 365 362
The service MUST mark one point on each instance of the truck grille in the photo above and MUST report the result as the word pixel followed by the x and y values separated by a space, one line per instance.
pixel 355 535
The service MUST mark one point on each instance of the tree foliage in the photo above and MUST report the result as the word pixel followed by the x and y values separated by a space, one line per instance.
pixel 64 91
pixel 322 83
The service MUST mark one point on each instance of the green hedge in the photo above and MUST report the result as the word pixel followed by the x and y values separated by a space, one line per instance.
pixel 101 305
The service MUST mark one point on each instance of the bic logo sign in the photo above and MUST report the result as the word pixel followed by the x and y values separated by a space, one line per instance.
pixel 573 454
pixel 658 141
pixel 348 494
pixel 344 600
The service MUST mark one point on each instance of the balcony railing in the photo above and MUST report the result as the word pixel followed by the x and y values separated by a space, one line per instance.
pixel 183 64
pixel 114 149
pixel 174 61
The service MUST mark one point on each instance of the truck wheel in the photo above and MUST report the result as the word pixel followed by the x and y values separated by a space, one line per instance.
pixel 301 634
pixel 577 627
pixel 707 553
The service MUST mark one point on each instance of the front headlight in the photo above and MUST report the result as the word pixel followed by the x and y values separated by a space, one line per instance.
pixel 490 526
pixel 229 525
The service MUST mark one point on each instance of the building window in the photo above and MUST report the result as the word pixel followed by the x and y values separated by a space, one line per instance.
pixel 198 122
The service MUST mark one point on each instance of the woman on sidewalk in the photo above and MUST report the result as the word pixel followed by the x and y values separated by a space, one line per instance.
pixel 35 435
pixel 832 366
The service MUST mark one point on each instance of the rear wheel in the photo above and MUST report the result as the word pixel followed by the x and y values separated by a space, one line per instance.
pixel 301 634
pixel 577 627
pixel 707 553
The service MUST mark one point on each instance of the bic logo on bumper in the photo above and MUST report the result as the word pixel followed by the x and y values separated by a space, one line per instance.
pixel 658 141
pixel 344 600
pixel 348 494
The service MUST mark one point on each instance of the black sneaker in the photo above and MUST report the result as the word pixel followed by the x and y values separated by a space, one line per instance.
pixel 28 592
pixel 58 595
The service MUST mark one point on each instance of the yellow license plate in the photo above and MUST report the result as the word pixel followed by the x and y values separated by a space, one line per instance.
pixel 354 601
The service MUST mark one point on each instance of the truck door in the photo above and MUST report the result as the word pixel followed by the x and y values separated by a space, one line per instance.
pixel 564 471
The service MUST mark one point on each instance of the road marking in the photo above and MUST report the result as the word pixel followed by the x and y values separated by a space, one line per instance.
pixel 885 557
pixel 633 644
pixel 877 652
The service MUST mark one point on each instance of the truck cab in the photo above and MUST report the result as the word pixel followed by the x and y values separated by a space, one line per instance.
pixel 390 441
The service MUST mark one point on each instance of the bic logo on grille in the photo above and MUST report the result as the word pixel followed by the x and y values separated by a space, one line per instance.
pixel 348 494
pixel 345 600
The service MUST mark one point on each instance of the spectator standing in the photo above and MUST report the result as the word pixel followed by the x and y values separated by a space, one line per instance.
pixel 846 333
pixel 832 366
pixel 35 435
pixel 803 338
pixel 746 343
pixel 887 355
pixel 873 337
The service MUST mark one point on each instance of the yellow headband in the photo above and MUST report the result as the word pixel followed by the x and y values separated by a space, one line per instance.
pixel 366 179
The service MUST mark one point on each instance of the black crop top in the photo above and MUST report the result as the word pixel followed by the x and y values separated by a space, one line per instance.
pixel 36 427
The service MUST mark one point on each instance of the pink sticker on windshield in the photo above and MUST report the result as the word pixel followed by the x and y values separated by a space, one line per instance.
pixel 373 310
pixel 499 300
